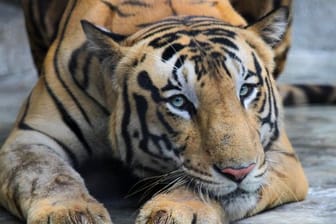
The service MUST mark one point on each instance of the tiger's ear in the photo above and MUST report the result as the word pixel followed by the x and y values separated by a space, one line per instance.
pixel 272 26
pixel 103 42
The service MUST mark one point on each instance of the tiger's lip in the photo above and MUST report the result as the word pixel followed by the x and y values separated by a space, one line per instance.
pixel 193 173
pixel 215 190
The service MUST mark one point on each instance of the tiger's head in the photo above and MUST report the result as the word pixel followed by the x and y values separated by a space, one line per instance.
pixel 195 94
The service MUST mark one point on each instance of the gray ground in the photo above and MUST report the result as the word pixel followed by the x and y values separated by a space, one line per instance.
pixel 311 129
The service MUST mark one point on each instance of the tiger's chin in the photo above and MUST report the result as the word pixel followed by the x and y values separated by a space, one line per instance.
pixel 236 201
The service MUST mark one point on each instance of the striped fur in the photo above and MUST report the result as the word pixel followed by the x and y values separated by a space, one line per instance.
pixel 43 17
pixel 42 20
pixel 187 92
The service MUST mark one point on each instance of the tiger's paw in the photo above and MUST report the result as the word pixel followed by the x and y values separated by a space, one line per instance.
pixel 71 211
pixel 180 209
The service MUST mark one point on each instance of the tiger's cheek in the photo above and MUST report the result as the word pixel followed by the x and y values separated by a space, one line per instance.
pixel 194 154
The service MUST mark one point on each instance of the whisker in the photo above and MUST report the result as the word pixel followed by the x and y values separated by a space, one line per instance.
pixel 169 181
pixel 154 181
pixel 180 182
pixel 288 189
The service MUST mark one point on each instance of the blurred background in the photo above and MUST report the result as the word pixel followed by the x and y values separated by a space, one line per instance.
pixel 312 59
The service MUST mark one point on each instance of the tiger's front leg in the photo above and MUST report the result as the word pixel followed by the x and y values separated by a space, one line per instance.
pixel 181 206
pixel 39 186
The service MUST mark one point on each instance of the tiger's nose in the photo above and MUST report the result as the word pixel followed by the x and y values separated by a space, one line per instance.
pixel 236 174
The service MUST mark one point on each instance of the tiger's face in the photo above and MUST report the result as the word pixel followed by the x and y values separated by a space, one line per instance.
pixel 196 95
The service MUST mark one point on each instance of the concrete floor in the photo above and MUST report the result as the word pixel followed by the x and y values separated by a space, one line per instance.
pixel 311 129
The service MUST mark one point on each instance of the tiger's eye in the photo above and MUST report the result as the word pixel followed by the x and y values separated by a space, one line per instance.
pixel 178 101
pixel 244 91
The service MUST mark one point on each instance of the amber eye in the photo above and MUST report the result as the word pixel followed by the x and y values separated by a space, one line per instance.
pixel 245 90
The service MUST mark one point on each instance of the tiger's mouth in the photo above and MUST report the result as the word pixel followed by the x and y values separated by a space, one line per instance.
pixel 226 191
pixel 217 191
pixel 205 186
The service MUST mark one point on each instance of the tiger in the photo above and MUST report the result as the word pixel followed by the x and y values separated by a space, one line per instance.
pixel 183 89
pixel 42 20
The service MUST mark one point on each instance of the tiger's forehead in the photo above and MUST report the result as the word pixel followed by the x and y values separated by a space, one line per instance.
pixel 206 43
pixel 184 25
pixel 186 51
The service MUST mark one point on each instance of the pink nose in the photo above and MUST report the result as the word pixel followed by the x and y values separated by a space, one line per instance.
pixel 237 174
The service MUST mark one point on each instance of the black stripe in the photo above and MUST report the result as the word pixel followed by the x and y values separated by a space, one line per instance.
pixel 171 50
pixel 166 39
pixel 194 219
pixel 269 98
pixel 73 65
pixel 124 125
pixel 170 86
pixel 276 109
pixel 86 70
pixel 25 112
pixel 23 126
pixel 276 132
pixel 220 32
pixel 165 124
pixel 56 64
pixel 142 108
pixel 116 9
pixel 262 108
pixel 170 3
pixel 146 83
pixel 262 164
pixel 207 22
pixel 162 23
pixel 13 186
pixel 68 120
pixel 226 69
pixel 267 119
pixel 16 199
pixel 70 154
pixel 73 68
pixel 136 3
pixel 114 36
pixel 178 64
pixel 157 30
pixel 225 42
pixel 261 174
pixel 258 69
